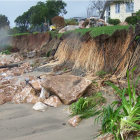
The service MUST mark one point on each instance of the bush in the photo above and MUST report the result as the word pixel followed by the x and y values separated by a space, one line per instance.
pixel 131 20
pixel 5 47
pixel 113 21
pixel 71 22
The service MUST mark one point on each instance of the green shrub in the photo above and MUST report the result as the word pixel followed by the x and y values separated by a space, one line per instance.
pixel 138 15
pixel 113 21
pixel 5 47
pixel 101 74
pixel 71 22
pixel 5 52
pixel 131 20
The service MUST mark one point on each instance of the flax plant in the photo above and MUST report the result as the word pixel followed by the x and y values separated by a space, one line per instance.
pixel 125 119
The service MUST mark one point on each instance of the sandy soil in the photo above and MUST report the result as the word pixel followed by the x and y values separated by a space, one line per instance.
pixel 21 122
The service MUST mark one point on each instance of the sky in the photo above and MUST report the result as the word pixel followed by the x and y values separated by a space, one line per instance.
pixel 13 9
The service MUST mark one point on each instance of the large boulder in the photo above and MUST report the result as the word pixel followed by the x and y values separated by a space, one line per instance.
pixel 68 28
pixel 68 88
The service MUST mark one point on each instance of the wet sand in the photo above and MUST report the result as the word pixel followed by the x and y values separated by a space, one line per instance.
pixel 21 122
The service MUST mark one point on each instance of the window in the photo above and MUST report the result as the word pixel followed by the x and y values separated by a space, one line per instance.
pixel 130 7
pixel 117 8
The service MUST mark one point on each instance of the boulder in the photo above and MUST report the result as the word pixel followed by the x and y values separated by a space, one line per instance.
pixel 27 95
pixel 74 121
pixel 44 93
pixel 53 101
pixel 4 98
pixel 39 106
pixel 68 88
pixel 68 28
pixel 81 24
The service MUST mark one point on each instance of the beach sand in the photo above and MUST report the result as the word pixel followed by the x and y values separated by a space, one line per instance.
pixel 21 122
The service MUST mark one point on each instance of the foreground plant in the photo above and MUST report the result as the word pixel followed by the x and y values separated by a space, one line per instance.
pixel 123 120
pixel 88 106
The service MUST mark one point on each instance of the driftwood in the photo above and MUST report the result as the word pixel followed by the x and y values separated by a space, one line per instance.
pixel 9 66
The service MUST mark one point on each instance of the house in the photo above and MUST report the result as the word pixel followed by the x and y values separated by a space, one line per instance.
pixel 122 11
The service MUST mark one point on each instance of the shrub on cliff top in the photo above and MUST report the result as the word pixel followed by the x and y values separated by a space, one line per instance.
pixel 113 21
pixel 131 20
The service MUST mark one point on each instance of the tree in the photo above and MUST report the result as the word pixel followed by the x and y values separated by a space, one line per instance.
pixel 102 5
pixel 3 21
pixel 38 13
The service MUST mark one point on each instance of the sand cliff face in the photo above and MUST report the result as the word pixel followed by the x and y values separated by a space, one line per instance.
pixel 84 53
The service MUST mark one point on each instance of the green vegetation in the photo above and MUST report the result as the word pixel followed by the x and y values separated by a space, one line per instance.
pixel 88 106
pixel 3 21
pixel 48 53
pixel 95 83
pixel 71 22
pixel 17 34
pixel 131 20
pixel 39 13
pixel 65 69
pixel 94 31
pixel 4 47
pixel 113 21
pixel 101 74
pixel 122 118
pixel 5 52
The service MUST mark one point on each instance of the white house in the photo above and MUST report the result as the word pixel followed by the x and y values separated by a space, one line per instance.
pixel 122 11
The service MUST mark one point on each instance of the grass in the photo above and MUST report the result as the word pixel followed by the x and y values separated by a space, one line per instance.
pixel 5 52
pixel 96 31
pixel 122 118
pixel 101 74
pixel 88 106
pixel 17 34
pixel 65 69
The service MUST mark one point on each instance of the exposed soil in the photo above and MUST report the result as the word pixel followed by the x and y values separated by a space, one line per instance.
pixel 81 54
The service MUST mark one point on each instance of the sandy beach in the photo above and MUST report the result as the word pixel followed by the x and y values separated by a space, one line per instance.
pixel 21 122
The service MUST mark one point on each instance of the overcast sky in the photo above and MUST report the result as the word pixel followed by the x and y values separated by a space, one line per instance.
pixel 12 9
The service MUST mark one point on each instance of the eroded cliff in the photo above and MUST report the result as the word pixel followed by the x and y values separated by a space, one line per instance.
pixel 84 54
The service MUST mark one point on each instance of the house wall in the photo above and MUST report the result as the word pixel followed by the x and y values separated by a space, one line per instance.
pixel 123 15
pixel 136 5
